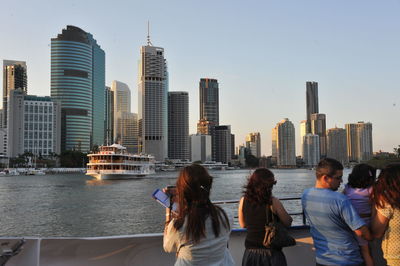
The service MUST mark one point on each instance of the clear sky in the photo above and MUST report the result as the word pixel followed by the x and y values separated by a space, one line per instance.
pixel 261 52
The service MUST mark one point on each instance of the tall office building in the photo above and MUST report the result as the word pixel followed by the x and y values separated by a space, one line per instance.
pixel 200 148
pixel 109 116
pixel 34 124
pixel 359 141
pixel 274 146
pixel 122 106
pixel 223 143
pixel 128 123
pixel 14 77
pixel 303 132
pixel 318 127
pixel 285 143
pixel 178 125
pixel 312 101
pixel 153 102
pixel 336 144
pixel 311 154
pixel 253 144
pixel 78 83
pixel 209 100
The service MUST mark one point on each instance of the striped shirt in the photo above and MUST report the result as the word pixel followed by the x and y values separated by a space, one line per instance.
pixel 332 221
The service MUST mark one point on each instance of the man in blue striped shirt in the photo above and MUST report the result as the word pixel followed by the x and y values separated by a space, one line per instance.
pixel 334 222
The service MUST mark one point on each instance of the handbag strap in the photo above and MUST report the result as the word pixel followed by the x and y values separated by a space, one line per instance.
pixel 268 211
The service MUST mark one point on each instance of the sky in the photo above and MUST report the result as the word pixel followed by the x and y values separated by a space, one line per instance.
pixel 261 52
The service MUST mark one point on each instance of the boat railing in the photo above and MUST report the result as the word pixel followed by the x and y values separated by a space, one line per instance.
pixel 304 222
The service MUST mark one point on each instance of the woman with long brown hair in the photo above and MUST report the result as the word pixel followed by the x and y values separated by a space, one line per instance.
pixel 257 197
pixel 386 219
pixel 199 231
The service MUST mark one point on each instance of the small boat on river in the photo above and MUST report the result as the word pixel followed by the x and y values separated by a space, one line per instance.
pixel 114 162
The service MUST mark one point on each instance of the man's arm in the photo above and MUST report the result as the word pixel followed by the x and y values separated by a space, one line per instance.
pixel 364 232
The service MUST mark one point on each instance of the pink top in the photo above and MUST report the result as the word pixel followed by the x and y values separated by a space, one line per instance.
pixel 359 198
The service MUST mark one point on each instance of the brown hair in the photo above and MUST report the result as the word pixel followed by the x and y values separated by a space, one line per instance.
pixel 387 188
pixel 327 166
pixel 259 187
pixel 193 191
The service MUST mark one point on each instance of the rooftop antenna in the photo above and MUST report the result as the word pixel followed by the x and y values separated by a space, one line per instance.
pixel 148 34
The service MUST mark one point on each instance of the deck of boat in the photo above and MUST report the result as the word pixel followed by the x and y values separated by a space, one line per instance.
pixel 143 249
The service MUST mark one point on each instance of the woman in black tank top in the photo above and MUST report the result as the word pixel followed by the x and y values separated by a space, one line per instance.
pixel 257 195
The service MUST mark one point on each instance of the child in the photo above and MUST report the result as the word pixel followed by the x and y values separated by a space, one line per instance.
pixel 358 190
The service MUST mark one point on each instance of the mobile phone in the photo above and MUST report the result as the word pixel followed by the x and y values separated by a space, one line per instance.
pixel 164 199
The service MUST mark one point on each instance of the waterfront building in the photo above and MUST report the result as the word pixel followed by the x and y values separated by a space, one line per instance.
pixel 303 132
pixel 153 101
pixel 274 146
pixel 233 146
pixel 3 142
pixel 178 125
pixel 78 83
pixel 311 153
pixel 318 127
pixel 1 118
pixel 129 131
pixel 109 116
pixel 200 148
pixel 311 101
pixel 336 144
pixel 242 150
pixel 209 100
pixel 34 125
pixel 285 144
pixel 223 143
pixel 14 77
pixel 253 144
pixel 359 141
pixel 122 106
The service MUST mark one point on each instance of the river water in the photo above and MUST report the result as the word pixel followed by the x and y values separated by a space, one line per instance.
pixel 76 205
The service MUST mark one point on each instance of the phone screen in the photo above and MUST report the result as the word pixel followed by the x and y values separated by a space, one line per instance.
pixel 163 199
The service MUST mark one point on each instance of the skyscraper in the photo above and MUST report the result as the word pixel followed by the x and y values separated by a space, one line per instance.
pixel 200 148
pixel 14 77
pixel 312 101
pixel 359 141
pixel 178 125
pixel 311 154
pixel 336 144
pixel 223 143
pixel 285 143
pixel 253 143
pixel 78 84
pixel 153 102
pixel 209 100
pixel 122 106
pixel 128 123
pixel 109 116
pixel 318 127
pixel 303 132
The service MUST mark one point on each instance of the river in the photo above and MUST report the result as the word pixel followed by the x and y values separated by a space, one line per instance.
pixel 74 205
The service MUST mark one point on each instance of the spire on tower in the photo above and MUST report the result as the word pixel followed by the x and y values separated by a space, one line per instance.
pixel 148 34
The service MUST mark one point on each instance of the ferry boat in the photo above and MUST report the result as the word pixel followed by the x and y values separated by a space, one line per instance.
pixel 114 162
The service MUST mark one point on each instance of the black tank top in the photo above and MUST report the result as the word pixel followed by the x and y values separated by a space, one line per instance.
pixel 255 218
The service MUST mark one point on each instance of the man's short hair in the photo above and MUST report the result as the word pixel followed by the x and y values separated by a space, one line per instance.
pixel 328 166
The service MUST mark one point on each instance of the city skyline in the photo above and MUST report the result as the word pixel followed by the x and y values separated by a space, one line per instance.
pixel 354 60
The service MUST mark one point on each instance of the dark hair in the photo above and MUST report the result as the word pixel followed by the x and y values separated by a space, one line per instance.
pixel 387 188
pixel 193 192
pixel 362 176
pixel 259 187
pixel 328 166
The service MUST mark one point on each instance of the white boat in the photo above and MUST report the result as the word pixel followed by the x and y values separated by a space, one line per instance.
pixel 114 162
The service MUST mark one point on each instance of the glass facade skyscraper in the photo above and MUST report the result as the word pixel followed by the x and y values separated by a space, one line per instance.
pixel 78 83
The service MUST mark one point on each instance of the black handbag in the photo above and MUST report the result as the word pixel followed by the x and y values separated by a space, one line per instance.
pixel 276 234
